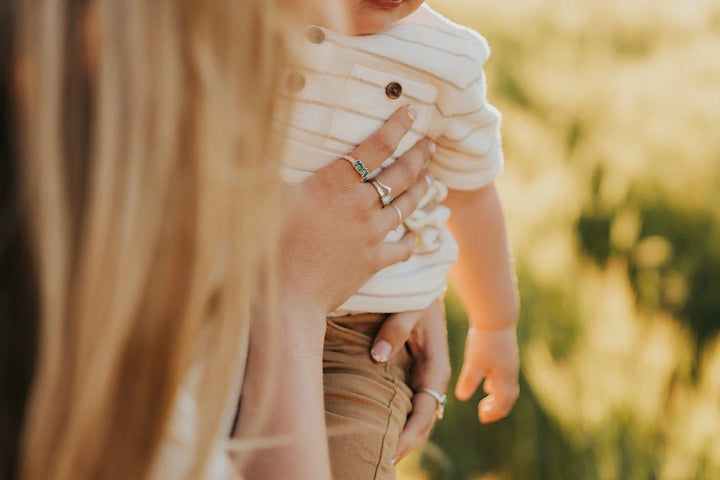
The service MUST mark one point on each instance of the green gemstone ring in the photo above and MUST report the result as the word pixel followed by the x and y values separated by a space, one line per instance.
pixel 357 165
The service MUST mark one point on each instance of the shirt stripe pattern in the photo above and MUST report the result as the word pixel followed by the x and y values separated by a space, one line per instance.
pixel 342 90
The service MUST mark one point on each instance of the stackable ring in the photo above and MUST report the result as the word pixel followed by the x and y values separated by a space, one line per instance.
pixel 385 187
pixel 387 198
pixel 440 399
pixel 383 191
pixel 357 165
pixel 399 213
pixel 378 187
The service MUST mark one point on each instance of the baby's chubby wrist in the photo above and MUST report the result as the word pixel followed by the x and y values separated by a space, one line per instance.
pixel 509 332
pixel 494 328
pixel 495 345
pixel 482 323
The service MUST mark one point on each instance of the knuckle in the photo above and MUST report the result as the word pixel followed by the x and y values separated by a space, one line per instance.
pixel 377 235
pixel 445 372
pixel 398 331
pixel 382 142
pixel 407 173
pixel 345 185
pixel 419 191
pixel 327 181
pixel 377 232
pixel 363 215
pixel 334 181
pixel 370 201
pixel 376 263
pixel 406 252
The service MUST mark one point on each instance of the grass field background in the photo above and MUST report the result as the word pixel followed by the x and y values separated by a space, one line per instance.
pixel 612 194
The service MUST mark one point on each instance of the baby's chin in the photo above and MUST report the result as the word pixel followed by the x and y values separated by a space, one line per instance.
pixel 365 17
pixel 367 26
pixel 357 26
pixel 370 19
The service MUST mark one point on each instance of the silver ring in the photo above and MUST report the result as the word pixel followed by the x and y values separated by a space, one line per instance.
pixel 357 165
pixel 440 399
pixel 400 218
pixel 385 187
pixel 383 190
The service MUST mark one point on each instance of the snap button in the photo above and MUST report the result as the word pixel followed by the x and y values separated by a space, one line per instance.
pixel 316 35
pixel 295 82
pixel 393 90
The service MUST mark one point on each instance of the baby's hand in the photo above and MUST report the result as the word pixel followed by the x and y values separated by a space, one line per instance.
pixel 492 355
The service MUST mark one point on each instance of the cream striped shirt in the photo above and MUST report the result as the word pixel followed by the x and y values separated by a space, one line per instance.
pixel 344 90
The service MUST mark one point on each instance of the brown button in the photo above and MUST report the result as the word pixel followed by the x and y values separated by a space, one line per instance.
pixel 316 35
pixel 295 82
pixel 393 90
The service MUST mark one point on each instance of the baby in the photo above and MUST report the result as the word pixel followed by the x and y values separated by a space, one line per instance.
pixel 397 53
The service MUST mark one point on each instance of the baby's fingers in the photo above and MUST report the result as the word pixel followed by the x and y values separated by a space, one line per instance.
pixel 468 381
pixel 498 404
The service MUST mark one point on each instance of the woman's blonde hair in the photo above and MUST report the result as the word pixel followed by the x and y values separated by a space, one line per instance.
pixel 146 127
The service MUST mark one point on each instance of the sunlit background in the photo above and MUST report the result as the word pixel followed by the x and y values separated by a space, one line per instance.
pixel 612 193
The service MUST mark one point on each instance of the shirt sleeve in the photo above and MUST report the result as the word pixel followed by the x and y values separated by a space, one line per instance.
pixel 469 149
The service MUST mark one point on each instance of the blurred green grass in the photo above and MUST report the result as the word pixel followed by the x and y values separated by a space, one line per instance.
pixel 612 194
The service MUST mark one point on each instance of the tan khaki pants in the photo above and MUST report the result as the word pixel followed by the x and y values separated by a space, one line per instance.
pixel 366 404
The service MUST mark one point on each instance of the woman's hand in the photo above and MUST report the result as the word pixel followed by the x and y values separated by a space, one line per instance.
pixel 426 335
pixel 334 228
pixel 332 243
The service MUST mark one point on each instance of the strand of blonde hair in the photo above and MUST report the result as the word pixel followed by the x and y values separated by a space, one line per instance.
pixel 148 263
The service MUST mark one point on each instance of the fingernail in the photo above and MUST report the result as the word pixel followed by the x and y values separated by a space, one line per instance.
pixel 428 179
pixel 394 461
pixel 432 146
pixel 411 113
pixel 381 351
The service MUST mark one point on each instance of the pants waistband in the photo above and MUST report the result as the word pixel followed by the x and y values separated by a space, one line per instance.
pixel 365 323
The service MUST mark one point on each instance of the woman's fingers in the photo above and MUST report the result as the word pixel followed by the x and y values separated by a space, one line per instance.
pixel 418 427
pixel 390 253
pixel 404 172
pixel 383 143
pixel 406 203
pixel 430 369
pixel 375 150
pixel 333 215
pixel 393 334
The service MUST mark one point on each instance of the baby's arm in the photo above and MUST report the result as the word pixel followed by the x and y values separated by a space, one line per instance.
pixel 485 282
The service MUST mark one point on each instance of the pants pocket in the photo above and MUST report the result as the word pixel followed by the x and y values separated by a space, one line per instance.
pixel 366 403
